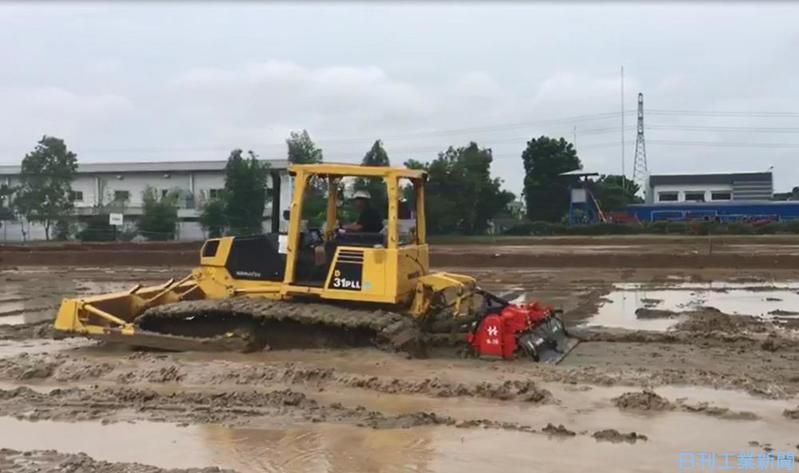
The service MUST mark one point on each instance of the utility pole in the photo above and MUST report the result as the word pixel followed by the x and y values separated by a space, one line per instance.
pixel 640 169
pixel 574 136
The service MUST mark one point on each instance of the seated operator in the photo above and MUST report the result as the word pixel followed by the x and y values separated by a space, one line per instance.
pixel 369 220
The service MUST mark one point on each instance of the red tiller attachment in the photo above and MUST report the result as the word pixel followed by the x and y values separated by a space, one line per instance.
pixel 509 330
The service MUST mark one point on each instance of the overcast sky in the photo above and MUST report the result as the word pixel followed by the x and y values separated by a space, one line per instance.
pixel 190 81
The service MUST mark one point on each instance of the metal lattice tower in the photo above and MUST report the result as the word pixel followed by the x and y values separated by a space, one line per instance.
pixel 640 171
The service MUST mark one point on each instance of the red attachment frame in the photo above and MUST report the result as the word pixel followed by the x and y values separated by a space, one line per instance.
pixel 497 334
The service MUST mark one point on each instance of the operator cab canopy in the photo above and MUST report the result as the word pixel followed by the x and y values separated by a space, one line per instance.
pixel 385 185
pixel 354 170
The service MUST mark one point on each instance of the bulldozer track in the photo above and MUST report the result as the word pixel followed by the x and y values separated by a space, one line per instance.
pixel 246 324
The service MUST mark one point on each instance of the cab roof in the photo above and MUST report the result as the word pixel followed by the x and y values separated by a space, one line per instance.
pixel 357 170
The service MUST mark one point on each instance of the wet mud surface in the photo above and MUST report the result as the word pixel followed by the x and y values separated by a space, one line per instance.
pixel 38 461
pixel 709 379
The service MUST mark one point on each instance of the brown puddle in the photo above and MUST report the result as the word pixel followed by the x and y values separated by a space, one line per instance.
pixel 344 449
pixel 619 307
pixel 277 445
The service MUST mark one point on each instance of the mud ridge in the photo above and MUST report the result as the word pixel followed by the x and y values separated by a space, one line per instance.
pixel 710 320
pixel 614 436
pixel 525 391
pixel 43 329
pixel 647 313
pixel 648 400
pixel 27 367
pixel 558 430
pixel 43 461
pixel 764 337
pixel 716 411
pixel 236 407
pixel 63 368
pixel 148 367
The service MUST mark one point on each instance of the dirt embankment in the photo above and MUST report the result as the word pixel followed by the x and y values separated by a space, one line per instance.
pixel 540 252
pixel 49 461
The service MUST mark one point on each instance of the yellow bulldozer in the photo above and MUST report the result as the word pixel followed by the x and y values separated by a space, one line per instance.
pixel 323 287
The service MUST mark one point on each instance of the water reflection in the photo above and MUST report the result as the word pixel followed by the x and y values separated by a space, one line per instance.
pixel 322 448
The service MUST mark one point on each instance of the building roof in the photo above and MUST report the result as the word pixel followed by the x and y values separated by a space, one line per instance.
pixel 151 166
pixel 720 178
pixel 717 203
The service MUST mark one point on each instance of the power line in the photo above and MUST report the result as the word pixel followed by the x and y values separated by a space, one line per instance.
pixel 324 144
pixel 741 129
pixel 333 143
pixel 720 113
pixel 726 144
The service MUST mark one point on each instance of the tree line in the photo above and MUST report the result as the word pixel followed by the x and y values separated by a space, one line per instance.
pixel 462 195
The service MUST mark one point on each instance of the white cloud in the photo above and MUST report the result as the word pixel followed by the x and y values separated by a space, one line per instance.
pixel 478 85
pixel 339 99
pixel 30 113
pixel 577 87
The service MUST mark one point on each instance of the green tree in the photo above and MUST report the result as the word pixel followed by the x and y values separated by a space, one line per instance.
pixel 302 149
pixel 376 156
pixel 245 194
pixel 461 195
pixel 376 187
pixel 546 192
pixel 615 192
pixel 213 219
pixel 159 218
pixel 45 183
pixel 414 164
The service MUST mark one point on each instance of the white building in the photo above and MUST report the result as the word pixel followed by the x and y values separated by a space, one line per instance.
pixel 121 185
pixel 748 186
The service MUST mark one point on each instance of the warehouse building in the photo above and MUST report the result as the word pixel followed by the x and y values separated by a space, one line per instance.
pixel 732 197
pixel 120 186
pixel 671 188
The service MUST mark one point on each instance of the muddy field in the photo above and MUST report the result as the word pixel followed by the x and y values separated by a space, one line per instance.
pixel 674 363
